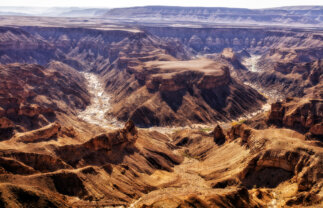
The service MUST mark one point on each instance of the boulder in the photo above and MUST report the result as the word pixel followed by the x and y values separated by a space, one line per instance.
pixel 219 137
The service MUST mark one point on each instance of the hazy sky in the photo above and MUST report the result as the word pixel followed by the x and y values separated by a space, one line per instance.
pixel 129 3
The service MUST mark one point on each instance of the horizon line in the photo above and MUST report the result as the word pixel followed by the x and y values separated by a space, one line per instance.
pixel 159 6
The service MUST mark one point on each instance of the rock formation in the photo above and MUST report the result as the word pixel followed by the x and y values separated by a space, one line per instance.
pixel 30 95
pixel 303 115
pixel 219 136
pixel 43 134
pixel 179 92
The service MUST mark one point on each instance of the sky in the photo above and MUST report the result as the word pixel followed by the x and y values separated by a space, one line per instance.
pixel 252 4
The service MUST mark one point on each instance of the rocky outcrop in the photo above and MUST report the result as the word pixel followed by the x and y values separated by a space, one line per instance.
pixel 178 92
pixel 128 135
pixel 304 115
pixel 287 57
pixel 219 136
pixel 211 81
pixel 240 131
pixel 317 129
pixel 31 94
pixel 96 50
pixel 39 135
pixel 233 198
pixel 298 164
pixel 29 110
pixel 6 128
pixel 22 196
pixel 188 79
pixel 113 147
pixel 5 123
pixel 234 58
pixel 277 113
pixel 12 166
pixel 289 78
pixel 17 45
pixel 34 161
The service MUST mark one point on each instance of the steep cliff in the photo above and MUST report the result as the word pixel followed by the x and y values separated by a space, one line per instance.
pixel 31 94
pixel 303 115
pixel 173 92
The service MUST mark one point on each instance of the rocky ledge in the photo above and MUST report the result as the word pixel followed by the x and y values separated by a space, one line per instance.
pixel 303 115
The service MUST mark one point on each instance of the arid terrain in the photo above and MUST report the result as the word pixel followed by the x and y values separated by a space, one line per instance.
pixel 99 111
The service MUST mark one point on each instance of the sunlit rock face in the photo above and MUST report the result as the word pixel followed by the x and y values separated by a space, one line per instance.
pixel 303 115
pixel 30 95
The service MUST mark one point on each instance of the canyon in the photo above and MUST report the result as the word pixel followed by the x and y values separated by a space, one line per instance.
pixel 105 113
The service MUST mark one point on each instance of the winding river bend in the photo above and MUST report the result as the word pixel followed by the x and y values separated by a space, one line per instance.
pixel 100 103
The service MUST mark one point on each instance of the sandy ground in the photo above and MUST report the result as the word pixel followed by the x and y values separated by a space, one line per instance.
pixel 251 62
pixel 100 103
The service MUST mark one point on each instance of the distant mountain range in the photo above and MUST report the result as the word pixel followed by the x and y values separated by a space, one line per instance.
pixel 306 15
pixel 292 16
pixel 53 12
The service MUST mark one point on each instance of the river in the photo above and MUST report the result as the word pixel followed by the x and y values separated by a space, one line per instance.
pixel 100 103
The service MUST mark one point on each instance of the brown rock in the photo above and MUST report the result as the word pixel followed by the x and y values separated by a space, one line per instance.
pixel 240 130
pixel 131 131
pixel 29 110
pixel 276 114
pixel 68 131
pixel 127 135
pixel 317 129
pixel 28 91
pixel 2 112
pixel 6 123
pixel 299 114
pixel 10 165
pixel 170 85
pixel 212 81
pixel 180 93
pixel 41 134
pixel 219 136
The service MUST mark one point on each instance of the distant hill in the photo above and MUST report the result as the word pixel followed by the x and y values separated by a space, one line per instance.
pixel 53 12
pixel 297 15
pixel 307 16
